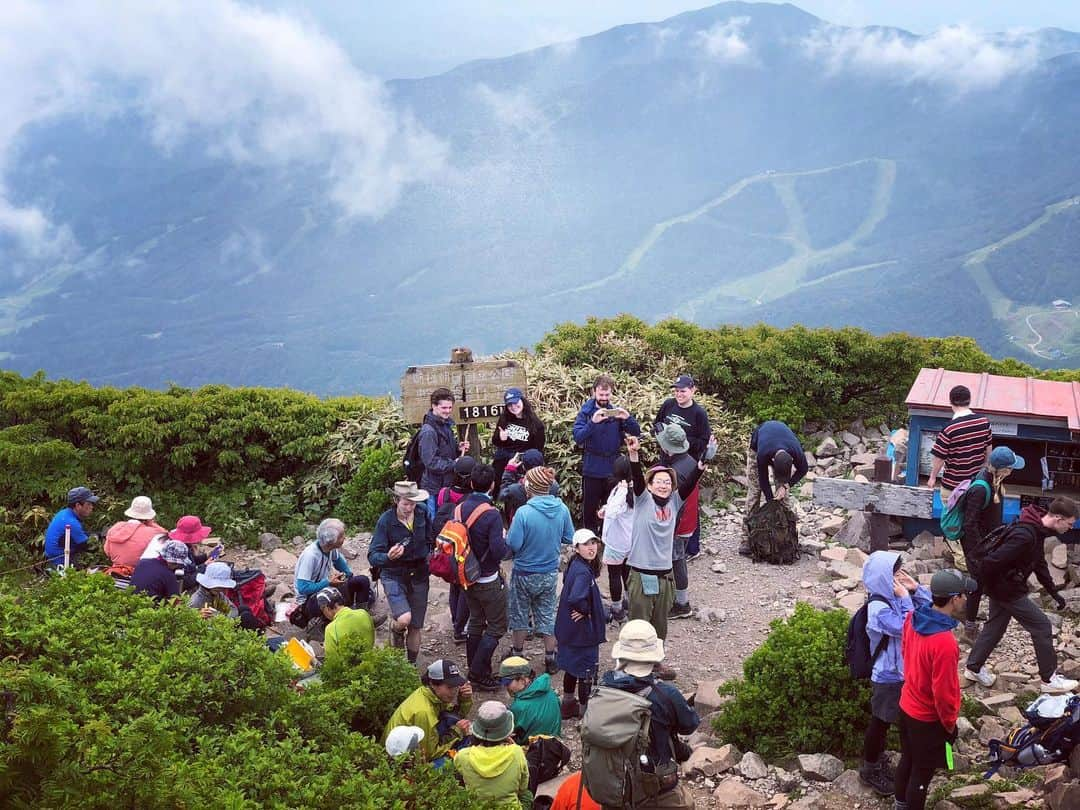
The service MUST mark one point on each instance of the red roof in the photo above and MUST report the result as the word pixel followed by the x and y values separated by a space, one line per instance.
pixel 994 394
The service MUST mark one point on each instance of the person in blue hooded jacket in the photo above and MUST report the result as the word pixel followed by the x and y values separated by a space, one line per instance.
pixel 580 624
pixel 599 430
pixel 893 595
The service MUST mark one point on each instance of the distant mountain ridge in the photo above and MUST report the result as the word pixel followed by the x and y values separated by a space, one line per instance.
pixel 738 163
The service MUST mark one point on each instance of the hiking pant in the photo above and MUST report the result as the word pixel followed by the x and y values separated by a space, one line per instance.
pixel 459 609
pixel 975 597
pixel 653 609
pixel 922 751
pixel 678 798
pixel 1031 619
pixel 753 485
pixel 618 574
pixel 356 590
pixel 678 561
pixel 487 624
pixel 594 492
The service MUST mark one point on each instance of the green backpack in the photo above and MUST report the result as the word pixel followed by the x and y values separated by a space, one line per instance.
pixel 614 736
pixel 952 513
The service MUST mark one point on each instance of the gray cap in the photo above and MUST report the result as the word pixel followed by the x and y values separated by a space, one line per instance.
pixel 950 582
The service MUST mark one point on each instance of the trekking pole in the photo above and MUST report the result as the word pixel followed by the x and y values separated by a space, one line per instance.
pixel 948 755
pixel 67 546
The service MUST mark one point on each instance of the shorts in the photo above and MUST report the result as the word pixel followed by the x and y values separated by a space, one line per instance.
pixel 407 595
pixel 535 594
pixel 885 701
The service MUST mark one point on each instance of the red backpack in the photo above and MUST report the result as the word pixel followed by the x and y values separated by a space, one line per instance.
pixel 453 559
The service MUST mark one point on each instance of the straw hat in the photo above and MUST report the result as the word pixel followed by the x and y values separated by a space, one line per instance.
pixel 141 509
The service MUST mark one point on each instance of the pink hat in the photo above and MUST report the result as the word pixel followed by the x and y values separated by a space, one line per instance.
pixel 189 529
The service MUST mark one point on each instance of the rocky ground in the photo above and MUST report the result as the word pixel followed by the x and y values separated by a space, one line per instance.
pixel 735 600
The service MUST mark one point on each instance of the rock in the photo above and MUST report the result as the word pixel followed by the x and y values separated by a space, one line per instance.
pixel 1054 775
pixel 834 553
pixel 827 448
pixel 851 602
pixel 970 791
pixel 810 460
pixel 991 728
pixel 269 541
pixel 844 570
pixel 353 548
pixel 283 559
pixel 1059 556
pixel 719 568
pixel 822 767
pixel 1011 715
pixel 856 557
pixel 707 698
pixel 1074 762
pixel 1014 798
pixel 855 533
pixel 923 538
pixel 813 547
pixel 1064 797
pixel 997 699
pixel 848 783
pixel 752 766
pixel 850 439
pixel 964 727
pixel 831 525
pixel 711 761
pixel 733 793
pixel 710 615
pixel 786 780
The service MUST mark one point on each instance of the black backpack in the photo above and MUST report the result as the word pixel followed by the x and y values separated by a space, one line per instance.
pixel 414 465
pixel 772 533
pixel 857 653
pixel 991 540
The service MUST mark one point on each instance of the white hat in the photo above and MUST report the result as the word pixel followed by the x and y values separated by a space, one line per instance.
pixel 403 739
pixel 217 575
pixel 638 642
pixel 141 508
pixel 583 536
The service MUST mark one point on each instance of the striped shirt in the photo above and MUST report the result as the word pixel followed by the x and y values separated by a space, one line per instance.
pixel 962 445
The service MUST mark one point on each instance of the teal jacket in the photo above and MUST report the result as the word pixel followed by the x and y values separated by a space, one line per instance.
pixel 536 710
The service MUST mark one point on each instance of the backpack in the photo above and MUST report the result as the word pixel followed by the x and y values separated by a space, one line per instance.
pixel 991 540
pixel 952 513
pixel 453 559
pixel 860 660
pixel 1051 733
pixel 614 738
pixel 772 533
pixel 413 464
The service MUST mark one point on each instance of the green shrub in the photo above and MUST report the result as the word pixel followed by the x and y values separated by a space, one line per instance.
pixel 796 695
pixel 364 498
pixel 369 684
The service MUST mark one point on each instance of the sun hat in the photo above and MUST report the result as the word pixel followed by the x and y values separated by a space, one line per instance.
pixel 532 458
pixel 1003 457
pixel 513 667
pixel 512 396
pixel 218 575
pixel 683 381
pixel 403 740
pixel 583 536
pixel 189 529
pixel 444 671
pixel 329 596
pixel 142 508
pixel 538 480
pixel 175 552
pixel 652 471
pixel 672 440
pixel 638 642
pixel 494 722
pixel 408 489
pixel 950 582
pixel 81 495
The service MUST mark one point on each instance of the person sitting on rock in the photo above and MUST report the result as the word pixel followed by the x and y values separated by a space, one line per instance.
pixel 212 596
pixel 442 701
pixel 127 540
pixel 157 576
pixel 322 565
pixel 494 767
pixel 80 505
pixel 343 622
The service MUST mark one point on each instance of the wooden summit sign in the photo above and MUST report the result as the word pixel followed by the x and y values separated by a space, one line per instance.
pixel 477 387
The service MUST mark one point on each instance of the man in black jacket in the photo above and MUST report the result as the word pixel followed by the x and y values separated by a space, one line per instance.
pixel 1005 570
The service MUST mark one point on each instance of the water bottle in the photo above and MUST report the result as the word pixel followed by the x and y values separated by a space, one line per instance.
pixel 646 766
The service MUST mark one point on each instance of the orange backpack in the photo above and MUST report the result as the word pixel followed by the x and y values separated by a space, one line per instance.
pixel 453 559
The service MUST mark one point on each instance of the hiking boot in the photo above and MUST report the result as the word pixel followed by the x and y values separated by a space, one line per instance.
pixel 569 707
pixel 460 638
pixel 485 683
pixel 984 677
pixel 1059 685
pixel 744 548
pixel 972 630
pixel 664 672
pixel 872 774
pixel 551 666
pixel 683 611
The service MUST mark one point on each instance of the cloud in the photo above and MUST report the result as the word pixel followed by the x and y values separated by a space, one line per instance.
pixel 257 88
pixel 724 42
pixel 512 110
pixel 956 56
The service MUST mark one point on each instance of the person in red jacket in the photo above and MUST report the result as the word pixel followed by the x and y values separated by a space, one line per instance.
pixel 930 699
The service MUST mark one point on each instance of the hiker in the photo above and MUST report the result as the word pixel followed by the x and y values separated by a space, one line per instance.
pixel 399 548
pixel 127 540
pixel 190 531
pixel 445 501
pixel 438 447
pixel 599 429
pixel 636 653
pixel 487 596
pixel 962 446
pixel 322 565
pixel 156 576
pixel 572 795
pixel 681 410
pixel 212 598
pixel 517 430
pixel 512 484
pixel 494 766
pixel 930 696
pixel 618 517
pixel 535 539
pixel 535 705
pixel 580 624
pixel 892 595
pixel 773 449
pixel 981 516
pixel 440 703
pixel 1005 569
pixel 343 622
pixel 658 495
pixel 80 505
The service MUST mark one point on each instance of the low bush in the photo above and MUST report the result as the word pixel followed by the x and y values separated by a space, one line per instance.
pixel 365 496
pixel 796 695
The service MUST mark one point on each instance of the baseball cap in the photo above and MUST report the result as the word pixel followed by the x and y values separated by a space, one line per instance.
pixel 583 536
pixel 950 582
pixel 463 466
pixel 1002 457
pixel 328 597
pixel 81 495
pixel 513 395
pixel 445 671
pixel 532 458
pixel 683 381
pixel 513 667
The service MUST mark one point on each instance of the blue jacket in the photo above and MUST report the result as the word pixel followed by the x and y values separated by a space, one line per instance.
pixel 539 527
pixel 581 593
pixel 670 712
pixel 887 618
pixel 438 451
pixel 766 440
pixel 54 535
pixel 389 531
pixel 601 441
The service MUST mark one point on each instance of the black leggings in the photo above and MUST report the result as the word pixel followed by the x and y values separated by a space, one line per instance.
pixel 583 686
pixel 874 742
pixel 923 752
pixel 681 574
pixel 618 576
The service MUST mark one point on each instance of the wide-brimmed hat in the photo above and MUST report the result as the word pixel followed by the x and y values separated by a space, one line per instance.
pixel 652 471
pixel 174 552
pixel 189 529
pixel 672 440
pixel 81 495
pixel 638 642
pixel 538 480
pixel 494 722
pixel 408 489
pixel 403 740
pixel 217 575
pixel 1002 458
pixel 142 508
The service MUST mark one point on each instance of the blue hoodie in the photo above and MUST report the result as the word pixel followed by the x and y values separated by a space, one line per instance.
pixel 887 618
pixel 536 533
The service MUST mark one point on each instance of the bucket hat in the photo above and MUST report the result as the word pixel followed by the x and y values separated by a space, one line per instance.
pixel 189 529
pixel 638 642
pixel 403 740
pixel 408 489
pixel 513 667
pixel 1003 457
pixel 494 722
pixel 142 508
pixel 218 575
pixel 175 552
pixel 652 471
pixel 672 440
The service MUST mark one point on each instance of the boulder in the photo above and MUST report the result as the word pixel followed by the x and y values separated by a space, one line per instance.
pixel 995 699
pixel 354 548
pixel 855 533
pixel 970 791
pixel 923 538
pixel 753 766
pixel 851 602
pixel 733 793
pixel 850 439
pixel 283 559
pixel 857 557
pixel 786 780
pixel 831 525
pixel 848 783
pixel 1054 775
pixel 268 541
pixel 834 553
pixel 1014 798
pixel 991 728
pixel 821 767
pixel 707 698
pixel 1059 556
pixel 711 761
pixel 828 448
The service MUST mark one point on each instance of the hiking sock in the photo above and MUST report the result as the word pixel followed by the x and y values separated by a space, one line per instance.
pixel 569 683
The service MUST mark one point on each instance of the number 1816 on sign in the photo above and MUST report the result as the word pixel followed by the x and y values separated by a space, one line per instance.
pixel 491 411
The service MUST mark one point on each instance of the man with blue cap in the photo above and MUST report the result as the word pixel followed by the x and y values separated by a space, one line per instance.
pixel 80 505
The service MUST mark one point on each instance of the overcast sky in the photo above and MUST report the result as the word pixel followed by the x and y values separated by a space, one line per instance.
pixel 408 38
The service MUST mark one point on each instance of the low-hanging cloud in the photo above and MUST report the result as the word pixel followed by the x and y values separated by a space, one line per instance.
pixel 956 56
pixel 258 88
pixel 724 41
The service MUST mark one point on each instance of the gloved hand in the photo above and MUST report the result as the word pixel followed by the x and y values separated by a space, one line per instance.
pixel 950 736
pixel 1060 602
